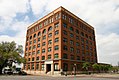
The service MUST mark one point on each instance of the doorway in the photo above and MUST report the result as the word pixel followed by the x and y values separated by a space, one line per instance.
pixel 48 67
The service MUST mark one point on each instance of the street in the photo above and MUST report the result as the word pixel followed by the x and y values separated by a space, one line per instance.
pixel 31 77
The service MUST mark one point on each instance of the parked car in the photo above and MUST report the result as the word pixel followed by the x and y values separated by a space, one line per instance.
pixel 8 71
pixel 16 71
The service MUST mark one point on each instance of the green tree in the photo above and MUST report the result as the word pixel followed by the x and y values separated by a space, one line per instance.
pixel 86 66
pixel 95 67
pixel 10 53
pixel 107 68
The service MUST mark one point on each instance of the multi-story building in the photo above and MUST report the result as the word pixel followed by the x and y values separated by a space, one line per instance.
pixel 58 41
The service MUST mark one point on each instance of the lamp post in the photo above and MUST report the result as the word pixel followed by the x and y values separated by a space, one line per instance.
pixel 74 71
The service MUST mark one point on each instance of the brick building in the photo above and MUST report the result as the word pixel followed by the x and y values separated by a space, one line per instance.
pixel 58 41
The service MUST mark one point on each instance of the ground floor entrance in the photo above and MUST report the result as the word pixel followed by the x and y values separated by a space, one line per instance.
pixel 48 68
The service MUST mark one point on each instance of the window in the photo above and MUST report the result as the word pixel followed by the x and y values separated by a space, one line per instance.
pixel 34 47
pixel 64 32
pixel 44 37
pixel 37 58
pixel 56 67
pixel 34 41
pixel 65 40
pixel 43 50
pixel 56 25
pixel 33 52
pixel 57 16
pixel 57 32
pixel 34 36
pixel 65 66
pixel 86 41
pixel 87 47
pixel 90 38
pixel 38 45
pixel 82 34
pixel 71 49
pixel 38 39
pixel 32 66
pixel 56 39
pixel 82 40
pixel 42 67
pixel 65 56
pixel 64 16
pixel 49 56
pixel 72 57
pixel 65 47
pixel 78 58
pixel 82 47
pixel 77 31
pixel 64 25
pixel 46 22
pixel 40 25
pixel 43 57
pixel 33 59
pixel 50 28
pixel 38 52
pixel 77 44
pixel 49 49
pixel 91 43
pixel 39 33
pixel 28 66
pixel 37 66
pixel 50 42
pixel 86 35
pixel 77 51
pixel 30 42
pixel 56 55
pixel 71 42
pixel 50 35
pixel 71 35
pixel 77 38
pixel 44 31
pixel 26 49
pixel 71 29
pixel 30 37
pixel 28 59
pixel 43 44
pixel 56 47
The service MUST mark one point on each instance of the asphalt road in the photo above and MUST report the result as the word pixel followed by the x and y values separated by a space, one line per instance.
pixel 53 78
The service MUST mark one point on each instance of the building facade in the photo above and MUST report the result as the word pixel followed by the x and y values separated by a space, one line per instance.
pixel 58 41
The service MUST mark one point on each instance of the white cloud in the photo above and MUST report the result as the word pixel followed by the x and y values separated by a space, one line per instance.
pixel 9 8
pixel 38 6
pixel 108 48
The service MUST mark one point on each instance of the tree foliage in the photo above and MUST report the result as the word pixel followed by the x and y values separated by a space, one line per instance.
pixel 9 53
pixel 86 66
pixel 95 66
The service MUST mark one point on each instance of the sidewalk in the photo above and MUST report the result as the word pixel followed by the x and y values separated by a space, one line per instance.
pixel 103 75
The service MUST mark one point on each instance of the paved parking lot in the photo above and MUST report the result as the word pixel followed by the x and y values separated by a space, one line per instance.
pixel 54 78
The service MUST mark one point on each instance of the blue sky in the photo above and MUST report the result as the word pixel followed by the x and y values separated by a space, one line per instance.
pixel 103 15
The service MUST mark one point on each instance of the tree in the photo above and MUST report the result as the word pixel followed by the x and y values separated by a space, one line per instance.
pixel 10 53
pixel 95 67
pixel 86 66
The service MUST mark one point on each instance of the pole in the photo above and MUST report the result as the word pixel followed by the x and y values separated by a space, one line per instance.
pixel 74 71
